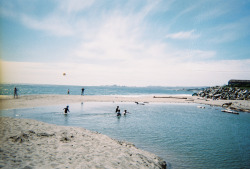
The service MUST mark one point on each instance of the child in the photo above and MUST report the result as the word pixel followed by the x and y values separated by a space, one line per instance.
pixel 66 110
pixel 118 113
pixel 125 112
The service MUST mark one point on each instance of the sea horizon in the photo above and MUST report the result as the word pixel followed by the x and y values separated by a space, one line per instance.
pixel 31 89
pixel 103 85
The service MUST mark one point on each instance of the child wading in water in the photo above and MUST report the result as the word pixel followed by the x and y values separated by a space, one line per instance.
pixel 66 110
pixel 118 113
pixel 125 112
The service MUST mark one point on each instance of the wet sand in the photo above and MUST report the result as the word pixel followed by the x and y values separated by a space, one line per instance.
pixel 8 102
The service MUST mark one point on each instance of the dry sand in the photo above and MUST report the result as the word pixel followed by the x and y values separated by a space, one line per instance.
pixel 32 144
pixel 27 144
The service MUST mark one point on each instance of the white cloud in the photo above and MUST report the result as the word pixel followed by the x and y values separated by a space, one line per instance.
pixel 183 35
pixel 116 37
pixel 60 20
pixel 137 73
pixel 70 6
pixel 54 25
pixel 228 32
pixel 116 47
pixel 212 13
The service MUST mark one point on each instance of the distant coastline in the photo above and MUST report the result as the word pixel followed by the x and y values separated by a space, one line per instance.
pixel 33 89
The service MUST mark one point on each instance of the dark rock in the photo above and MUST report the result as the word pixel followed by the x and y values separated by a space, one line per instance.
pixel 227 104
pixel 225 93
pixel 163 164
pixel 23 137
pixel 65 139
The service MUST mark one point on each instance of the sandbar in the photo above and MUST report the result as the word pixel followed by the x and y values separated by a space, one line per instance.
pixel 29 101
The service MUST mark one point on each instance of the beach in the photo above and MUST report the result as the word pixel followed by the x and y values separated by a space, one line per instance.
pixel 33 144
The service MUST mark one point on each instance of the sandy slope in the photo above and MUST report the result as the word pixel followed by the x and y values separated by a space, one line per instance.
pixel 32 144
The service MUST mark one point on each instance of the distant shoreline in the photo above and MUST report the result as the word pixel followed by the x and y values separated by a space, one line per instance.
pixel 30 89
pixel 29 101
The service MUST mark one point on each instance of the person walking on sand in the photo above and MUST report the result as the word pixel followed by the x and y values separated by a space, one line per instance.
pixel 82 91
pixel 66 110
pixel 15 93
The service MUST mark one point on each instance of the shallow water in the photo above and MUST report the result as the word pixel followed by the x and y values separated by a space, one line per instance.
pixel 182 134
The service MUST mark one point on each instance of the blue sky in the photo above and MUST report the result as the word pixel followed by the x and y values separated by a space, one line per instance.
pixel 133 43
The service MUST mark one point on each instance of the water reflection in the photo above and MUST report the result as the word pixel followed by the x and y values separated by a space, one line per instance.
pixel 66 120
pixel 82 106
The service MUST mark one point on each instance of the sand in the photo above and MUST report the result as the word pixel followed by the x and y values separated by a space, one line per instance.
pixel 32 144
pixel 8 102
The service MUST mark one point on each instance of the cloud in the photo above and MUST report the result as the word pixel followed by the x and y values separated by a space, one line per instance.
pixel 192 55
pixel 59 18
pixel 228 32
pixel 54 25
pixel 183 35
pixel 209 14
pixel 126 44
pixel 70 6
pixel 138 73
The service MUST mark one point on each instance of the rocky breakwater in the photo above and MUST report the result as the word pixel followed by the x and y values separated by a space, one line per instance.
pixel 233 98
pixel 224 93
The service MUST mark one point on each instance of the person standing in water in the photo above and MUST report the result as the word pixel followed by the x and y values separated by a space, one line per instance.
pixel 117 109
pixel 125 112
pixel 15 93
pixel 82 91
pixel 118 113
pixel 66 110
pixel 68 91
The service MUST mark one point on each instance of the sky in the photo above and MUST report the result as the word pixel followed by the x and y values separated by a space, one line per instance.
pixel 124 42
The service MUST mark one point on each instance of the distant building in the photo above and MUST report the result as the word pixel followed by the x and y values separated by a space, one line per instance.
pixel 239 83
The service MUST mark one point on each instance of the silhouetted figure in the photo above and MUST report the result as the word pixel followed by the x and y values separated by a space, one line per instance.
pixel 118 113
pixel 117 109
pixel 15 93
pixel 68 91
pixel 82 91
pixel 125 112
pixel 66 110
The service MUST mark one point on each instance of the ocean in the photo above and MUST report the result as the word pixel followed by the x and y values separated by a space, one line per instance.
pixel 31 89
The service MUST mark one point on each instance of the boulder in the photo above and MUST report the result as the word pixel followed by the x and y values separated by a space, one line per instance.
pixel 226 93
